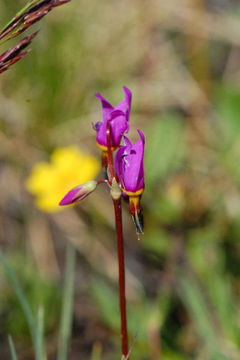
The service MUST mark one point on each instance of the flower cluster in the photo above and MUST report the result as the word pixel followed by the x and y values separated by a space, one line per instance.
pixel 126 170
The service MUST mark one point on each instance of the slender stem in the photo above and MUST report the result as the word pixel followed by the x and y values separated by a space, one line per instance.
pixel 120 246
pixel 121 269
pixel 103 181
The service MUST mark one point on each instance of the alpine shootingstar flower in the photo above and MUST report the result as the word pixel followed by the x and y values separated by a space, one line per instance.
pixel 125 177
pixel 116 118
pixel 129 168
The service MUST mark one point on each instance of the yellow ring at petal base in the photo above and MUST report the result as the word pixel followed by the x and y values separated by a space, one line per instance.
pixel 105 148
pixel 136 193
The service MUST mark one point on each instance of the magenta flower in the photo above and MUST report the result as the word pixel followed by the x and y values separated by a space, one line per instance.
pixel 129 166
pixel 130 172
pixel 115 118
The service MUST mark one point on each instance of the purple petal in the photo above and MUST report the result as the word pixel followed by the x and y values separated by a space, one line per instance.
pixel 101 129
pixel 119 126
pixel 107 108
pixel 129 164
pixel 118 116
pixel 127 142
pixel 118 163
pixel 70 197
pixel 97 126
pixel 125 104
pixel 141 136
pixel 134 168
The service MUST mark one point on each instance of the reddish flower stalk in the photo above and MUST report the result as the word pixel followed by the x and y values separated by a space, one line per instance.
pixel 116 197
pixel 125 177
pixel 121 271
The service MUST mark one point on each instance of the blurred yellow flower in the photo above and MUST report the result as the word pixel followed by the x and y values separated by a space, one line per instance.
pixel 50 181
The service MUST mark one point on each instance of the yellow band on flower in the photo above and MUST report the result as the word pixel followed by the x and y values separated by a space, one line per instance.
pixel 135 193
pixel 105 148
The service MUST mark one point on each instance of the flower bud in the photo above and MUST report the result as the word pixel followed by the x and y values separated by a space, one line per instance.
pixel 79 193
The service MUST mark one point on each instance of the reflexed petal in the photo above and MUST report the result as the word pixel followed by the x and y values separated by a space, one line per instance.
pixel 125 105
pixel 118 164
pixel 107 108
pixel 118 117
pixel 129 164
pixel 127 142
pixel 119 126
pixel 133 170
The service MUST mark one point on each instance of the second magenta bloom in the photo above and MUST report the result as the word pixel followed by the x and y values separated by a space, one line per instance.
pixel 130 167
pixel 116 118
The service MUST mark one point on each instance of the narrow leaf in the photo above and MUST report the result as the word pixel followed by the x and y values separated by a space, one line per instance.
pixel 12 348
pixel 40 352
pixel 67 305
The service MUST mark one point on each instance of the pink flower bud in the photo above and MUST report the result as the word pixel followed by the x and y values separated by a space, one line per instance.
pixel 79 193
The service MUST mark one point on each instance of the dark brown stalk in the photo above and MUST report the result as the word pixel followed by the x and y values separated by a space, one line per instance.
pixel 121 269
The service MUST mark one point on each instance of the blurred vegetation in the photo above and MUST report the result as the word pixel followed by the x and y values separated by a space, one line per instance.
pixel 181 61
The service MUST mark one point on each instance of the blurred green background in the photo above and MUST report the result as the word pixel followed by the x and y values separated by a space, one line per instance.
pixel 181 61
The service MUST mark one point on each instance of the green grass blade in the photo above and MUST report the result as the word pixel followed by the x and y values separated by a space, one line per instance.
pixel 194 300
pixel 20 295
pixel 67 304
pixel 40 352
pixel 96 351
pixel 12 348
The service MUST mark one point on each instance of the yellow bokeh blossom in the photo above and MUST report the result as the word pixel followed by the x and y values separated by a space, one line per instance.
pixel 50 181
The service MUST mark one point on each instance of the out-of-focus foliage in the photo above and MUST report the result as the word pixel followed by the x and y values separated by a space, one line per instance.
pixel 181 61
